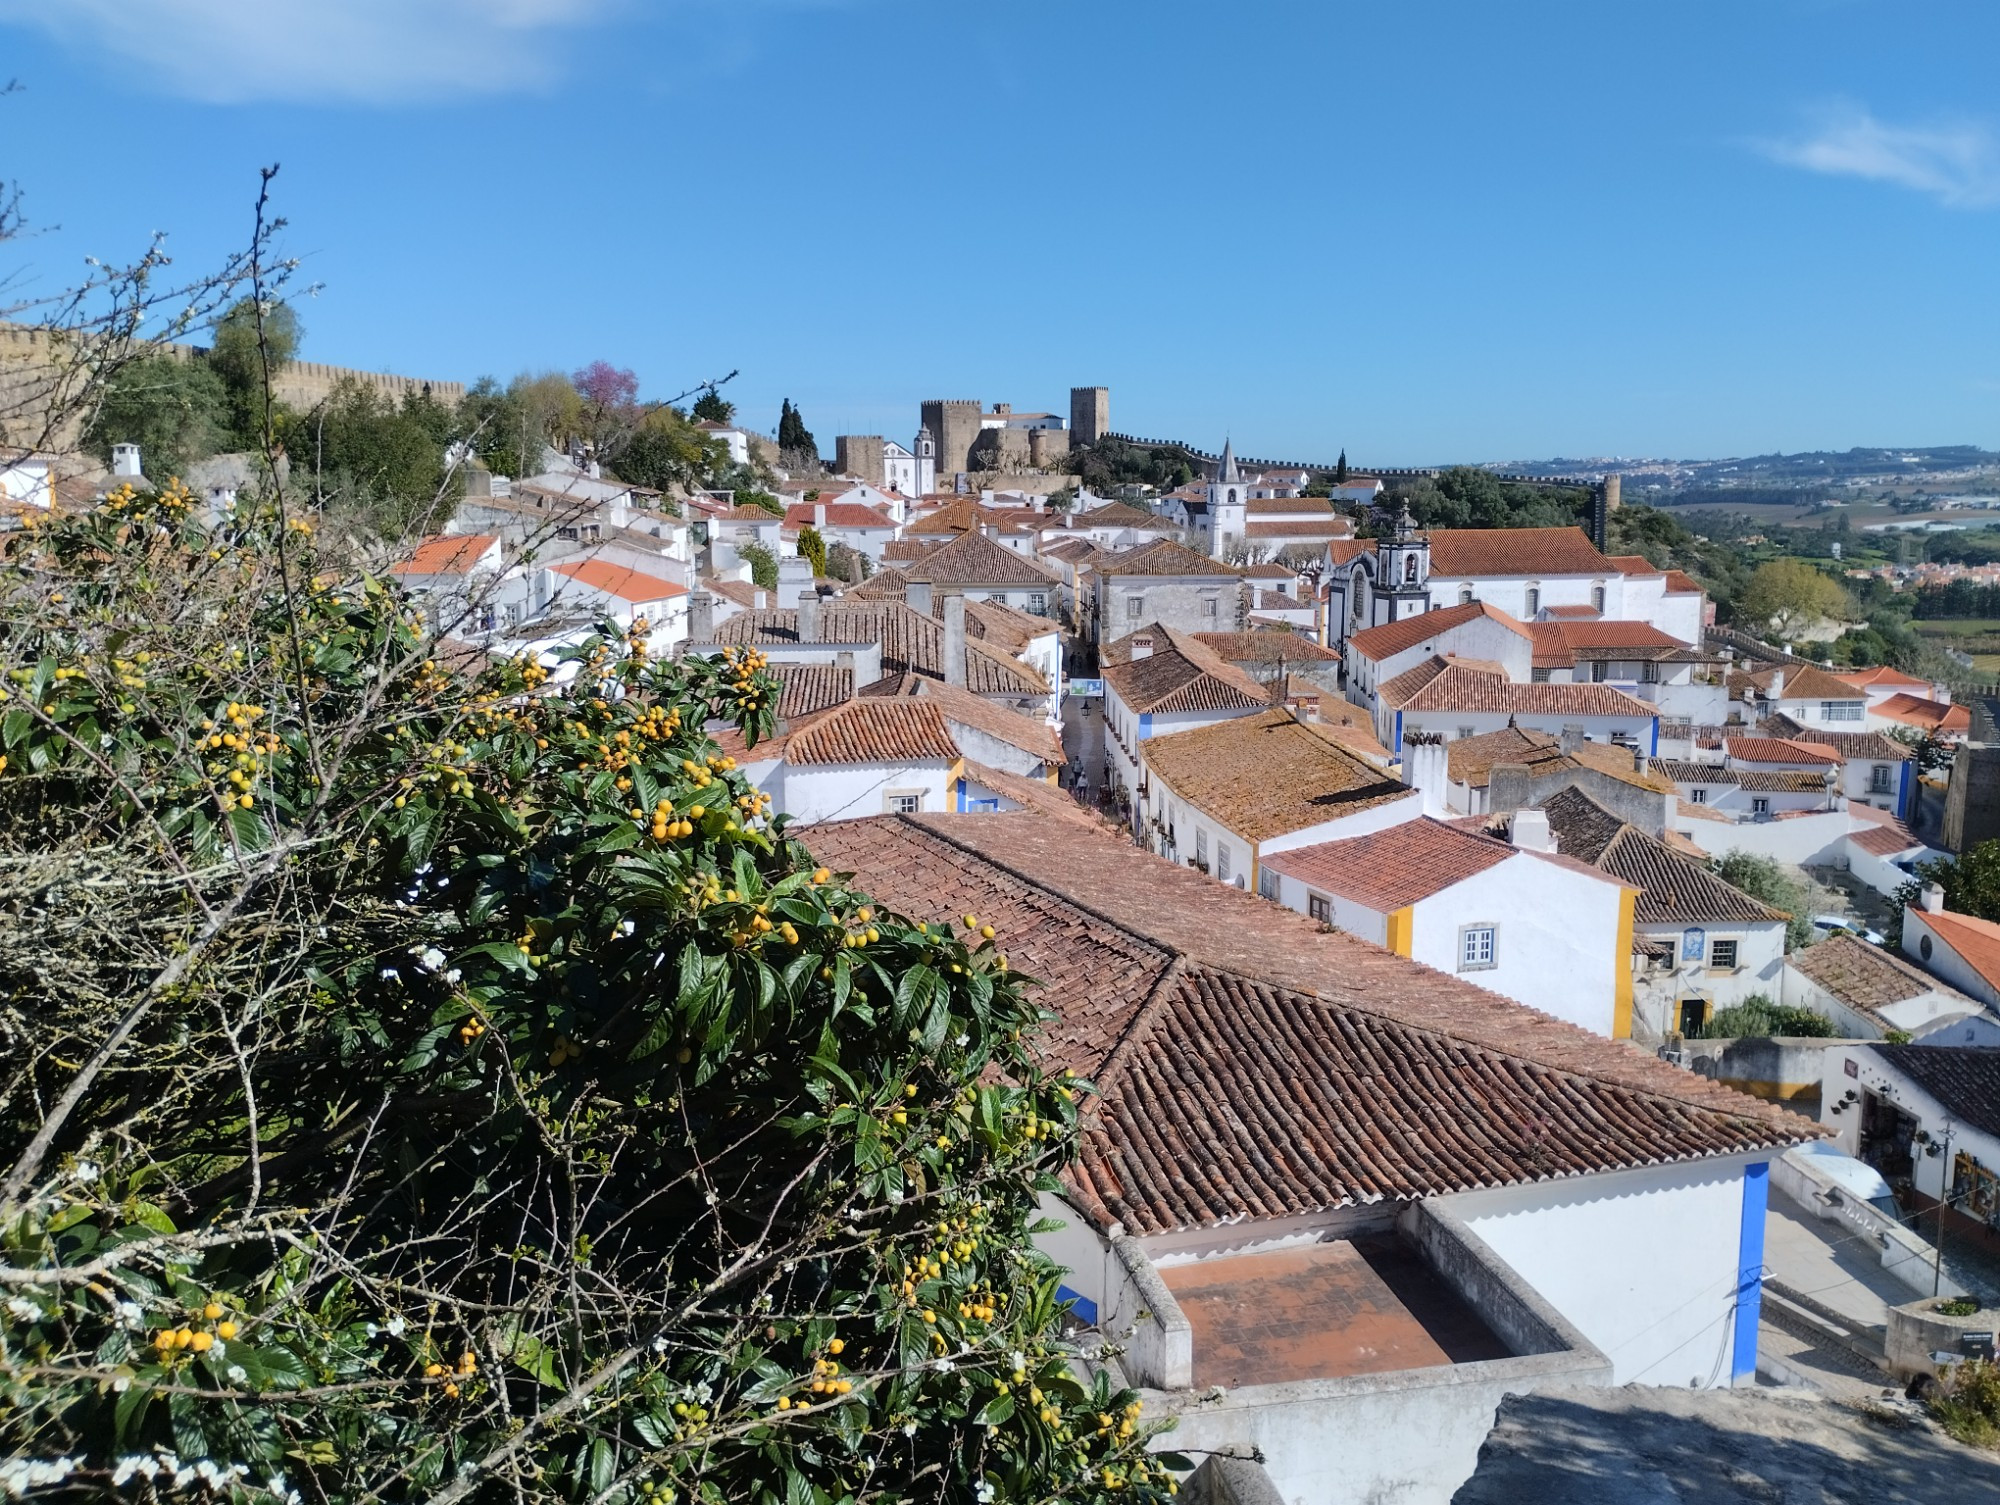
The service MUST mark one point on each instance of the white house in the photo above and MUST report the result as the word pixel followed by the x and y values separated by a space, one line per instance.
pixel 1927 1116
pixel 1226 796
pixel 28 479
pixel 1473 631
pixel 1513 918
pixel 864 529
pixel 1961 949
pixel 1333 1194
pixel 1868 993
pixel 1157 683
pixel 1699 944
pixel 975 566
pixel 585 589
pixel 1455 699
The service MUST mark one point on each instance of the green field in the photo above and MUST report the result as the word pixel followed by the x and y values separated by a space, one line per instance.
pixel 1951 628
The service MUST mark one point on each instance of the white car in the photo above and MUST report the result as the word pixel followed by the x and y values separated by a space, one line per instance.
pixel 1836 924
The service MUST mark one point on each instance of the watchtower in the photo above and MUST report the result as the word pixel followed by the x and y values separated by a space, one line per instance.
pixel 1089 414
pixel 955 425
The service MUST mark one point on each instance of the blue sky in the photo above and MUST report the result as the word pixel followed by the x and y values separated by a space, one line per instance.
pixel 1421 231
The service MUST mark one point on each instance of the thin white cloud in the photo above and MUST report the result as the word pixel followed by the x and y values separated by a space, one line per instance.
pixel 1957 163
pixel 373 51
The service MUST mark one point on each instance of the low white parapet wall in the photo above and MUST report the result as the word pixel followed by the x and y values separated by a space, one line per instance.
pixel 1911 1259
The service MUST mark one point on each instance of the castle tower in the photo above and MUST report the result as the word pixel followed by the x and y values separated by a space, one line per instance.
pixel 955 426
pixel 926 453
pixel 1228 505
pixel 1089 414
pixel 1402 573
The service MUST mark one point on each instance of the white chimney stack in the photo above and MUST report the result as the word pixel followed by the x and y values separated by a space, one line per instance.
pixel 125 462
pixel 1931 899
pixel 819 515
pixel 1142 646
pixel 1531 831
pixel 954 640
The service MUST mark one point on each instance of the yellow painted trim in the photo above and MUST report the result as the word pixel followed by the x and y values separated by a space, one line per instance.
pixel 1621 968
pixel 1773 1092
pixel 1401 923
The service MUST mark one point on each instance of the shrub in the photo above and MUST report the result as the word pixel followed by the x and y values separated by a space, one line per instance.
pixel 1967 1403
pixel 422 1083
pixel 763 564
pixel 1758 1017
pixel 1764 878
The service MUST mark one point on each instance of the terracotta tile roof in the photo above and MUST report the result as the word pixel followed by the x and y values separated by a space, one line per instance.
pixel 1270 569
pixel 967 516
pixel 874 731
pixel 911 642
pixel 1270 647
pixel 1847 744
pixel 1964 1079
pixel 1673 889
pixel 1804 682
pixel 747 514
pixel 1180 674
pixel 1266 775
pixel 1776 750
pixel 1885 841
pixel 1560 644
pixel 975 559
pixel 1385 870
pixel 1119 515
pixel 1869 679
pixel 1302 528
pixel 1457 552
pixel 620 581
pixel 838 515
pixel 1869 977
pixel 1167 557
pixel 1252 1066
pixel 1680 583
pixel 446 554
pixel 1571 613
pixel 1682 771
pixel 1392 638
pixel 1031 734
pixel 886 584
pixel 1975 940
pixel 742 592
pixel 1304 505
pixel 1041 797
pixel 1471 760
pixel 1462 688
pixel 811 688
pixel 1926 715
pixel 1784 781
pixel 1634 564
pixel 1403 686
pixel 1343 550
pixel 999 625
pixel 902 550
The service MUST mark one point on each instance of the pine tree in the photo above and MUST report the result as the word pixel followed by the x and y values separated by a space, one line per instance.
pixel 1340 469
pixel 711 407
pixel 793 435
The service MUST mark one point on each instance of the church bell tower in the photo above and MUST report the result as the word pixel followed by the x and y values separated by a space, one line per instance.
pixel 1402 572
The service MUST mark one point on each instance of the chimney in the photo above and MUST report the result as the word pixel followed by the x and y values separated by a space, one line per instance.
pixel 1641 764
pixel 478 481
pixel 809 617
pixel 1931 900
pixel 1427 769
pixel 125 462
pixel 1777 683
pixel 1036 503
pixel 954 639
pixel 819 515
pixel 917 596
pixel 763 600
pixel 1142 646
pixel 844 660
pixel 1531 831
pixel 701 617
pixel 1572 739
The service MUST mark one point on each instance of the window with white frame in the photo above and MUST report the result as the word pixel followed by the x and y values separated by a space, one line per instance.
pixel 1038 602
pixel 1759 805
pixel 1534 600
pixel 1222 860
pixel 1597 598
pixel 1722 955
pixel 1540 676
pixel 1465 595
pixel 1208 606
pixel 903 801
pixel 1200 845
pixel 1135 608
pixel 1464 731
pixel 1840 710
pixel 1698 796
pixel 1267 883
pixel 1320 907
pixel 1478 947
pixel 1878 779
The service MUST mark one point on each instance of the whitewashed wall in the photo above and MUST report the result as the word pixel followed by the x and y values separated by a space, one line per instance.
pixel 1643 1262
pixel 848 791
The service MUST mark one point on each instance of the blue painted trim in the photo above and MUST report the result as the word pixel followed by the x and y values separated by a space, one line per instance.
pixel 1656 738
pixel 1903 790
pixel 1085 1308
pixel 1145 725
pixel 1750 1270
pixel 1397 749
pixel 960 789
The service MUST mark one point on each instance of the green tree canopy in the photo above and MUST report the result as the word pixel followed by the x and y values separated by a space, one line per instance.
pixel 238 353
pixel 1767 879
pixel 1971 884
pixel 176 411
pixel 763 565
pixel 712 407
pixel 376 460
pixel 1786 595
pixel 794 437
pixel 1466 496
pixel 667 450
pixel 812 549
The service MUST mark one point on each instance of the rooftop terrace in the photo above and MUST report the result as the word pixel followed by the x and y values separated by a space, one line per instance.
pixel 1369 1305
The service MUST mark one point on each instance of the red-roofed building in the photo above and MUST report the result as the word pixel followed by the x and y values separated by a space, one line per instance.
pixel 1950 722
pixel 464 584
pixel 583 590
pixel 1515 918
pixel 863 528
pixel 1962 949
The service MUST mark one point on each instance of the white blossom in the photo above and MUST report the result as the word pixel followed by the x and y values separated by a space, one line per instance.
pixel 24 1310
pixel 943 1366
pixel 85 1172
pixel 19 1475
pixel 985 1492
pixel 432 959
pixel 390 974
pixel 236 1374
pixel 396 1326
